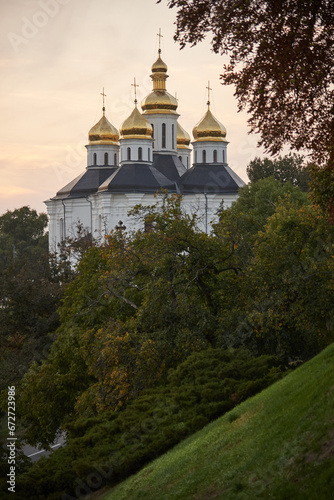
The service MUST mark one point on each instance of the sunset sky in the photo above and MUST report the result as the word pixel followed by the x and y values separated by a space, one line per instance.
pixel 57 55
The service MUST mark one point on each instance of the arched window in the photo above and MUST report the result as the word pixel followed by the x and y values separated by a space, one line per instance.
pixel 94 159
pixel 163 137
pixel 149 154
pixel 106 159
pixel 223 156
pixel 115 159
pixel 187 161
pixel 129 153
pixel 140 153
pixel 203 156
pixel 172 136
pixel 152 130
pixel 180 158
pixel 195 156
pixel 215 156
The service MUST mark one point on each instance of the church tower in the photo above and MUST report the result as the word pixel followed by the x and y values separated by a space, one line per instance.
pixel 159 108
pixel 210 144
pixel 103 146
pixel 136 138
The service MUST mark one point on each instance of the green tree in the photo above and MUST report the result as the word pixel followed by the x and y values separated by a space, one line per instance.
pixel 29 292
pixel 280 60
pixel 288 286
pixel 289 168
pixel 281 57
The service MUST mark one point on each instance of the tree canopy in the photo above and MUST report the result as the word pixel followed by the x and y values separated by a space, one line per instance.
pixel 290 168
pixel 281 55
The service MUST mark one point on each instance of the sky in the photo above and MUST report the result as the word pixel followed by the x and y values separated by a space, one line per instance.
pixel 56 56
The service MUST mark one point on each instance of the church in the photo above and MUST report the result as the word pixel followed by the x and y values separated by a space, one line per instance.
pixel 151 152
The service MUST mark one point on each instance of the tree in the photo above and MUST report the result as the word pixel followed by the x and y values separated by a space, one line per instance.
pixel 289 168
pixel 281 57
pixel 29 292
pixel 289 290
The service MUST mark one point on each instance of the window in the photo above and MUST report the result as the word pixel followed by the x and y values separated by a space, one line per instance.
pixel 152 130
pixel 203 156
pixel 106 159
pixel 115 159
pixel 180 158
pixel 195 156
pixel 163 138
pixel 173 136
pixel 94 159
pixel 223 156
pixel 129 153
pixel 215 156
pixel 187 161
pixel 149 154
pixel 140 153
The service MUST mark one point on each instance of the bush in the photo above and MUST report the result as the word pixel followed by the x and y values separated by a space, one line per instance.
pixel 107 449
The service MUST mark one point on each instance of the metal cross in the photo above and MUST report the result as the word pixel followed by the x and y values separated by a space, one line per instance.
pixel 135 88
pixel 209 88
pixel 160 36
pixel 103 96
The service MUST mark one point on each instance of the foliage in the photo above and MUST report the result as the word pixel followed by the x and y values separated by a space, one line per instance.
pixel 29 292
pixel 289 168
pixel 142 302
pixel 289 284
pixel 280 61
pixel 278 444
pixel 115 445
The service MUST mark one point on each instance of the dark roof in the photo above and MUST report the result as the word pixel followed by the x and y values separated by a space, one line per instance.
pixel 137 177
pixel 210 178
pixel 167 172
pixel 86 183
pixel 169 165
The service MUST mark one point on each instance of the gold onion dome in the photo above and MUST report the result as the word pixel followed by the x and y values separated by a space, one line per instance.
pixel 135 126
pixel 159 66
pixel 103 132
pixel 182 137
pixel 159 101
pixel 209 129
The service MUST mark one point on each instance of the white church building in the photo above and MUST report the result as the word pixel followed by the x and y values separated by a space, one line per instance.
pixel 151 152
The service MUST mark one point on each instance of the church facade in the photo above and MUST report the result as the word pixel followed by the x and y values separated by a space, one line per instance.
pixel 151 152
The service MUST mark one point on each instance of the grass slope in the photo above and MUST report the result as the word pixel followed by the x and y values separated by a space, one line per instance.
pixel 278 444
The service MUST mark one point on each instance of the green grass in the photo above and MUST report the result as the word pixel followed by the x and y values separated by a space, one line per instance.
pixel 278 444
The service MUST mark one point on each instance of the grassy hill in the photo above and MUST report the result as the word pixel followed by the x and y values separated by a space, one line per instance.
pixel 278 444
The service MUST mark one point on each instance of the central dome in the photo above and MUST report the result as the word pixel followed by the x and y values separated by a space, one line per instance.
pixel 159 101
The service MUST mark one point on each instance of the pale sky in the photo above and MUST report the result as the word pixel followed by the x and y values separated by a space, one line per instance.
pixel 55 58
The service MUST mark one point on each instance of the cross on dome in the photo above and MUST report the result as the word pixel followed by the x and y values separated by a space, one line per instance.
pixel 208 88
pixel 134 84
pixel 103 96
pixel 160 36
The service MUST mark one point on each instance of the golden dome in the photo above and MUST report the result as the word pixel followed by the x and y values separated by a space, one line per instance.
pixel 209 129
pixel 182 137
pixel 159 66
pixel 103 132
pixel 135 126
pixel 159 101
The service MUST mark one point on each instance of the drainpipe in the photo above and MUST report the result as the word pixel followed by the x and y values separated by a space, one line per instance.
pixel 64 219
pixel 91 215
pixel 206 213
